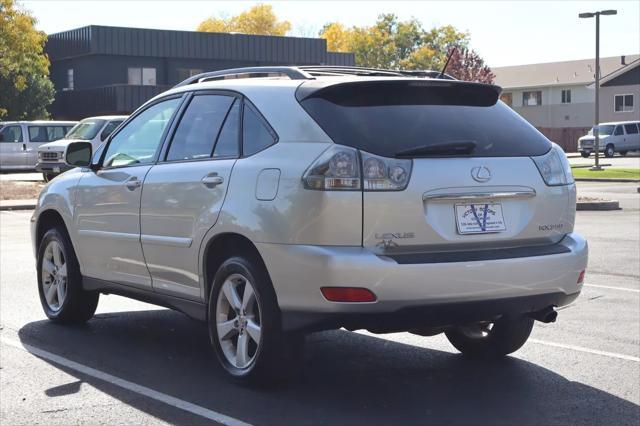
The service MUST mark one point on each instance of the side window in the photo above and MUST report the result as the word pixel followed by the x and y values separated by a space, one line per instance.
pixel 38 134
pixel 55 132
pixel 618 131
pixel 255 135
pixel 139 140
pixel 110 127
pixel 228 142
pixel 199 127
pixel 631 129
pixel 11 134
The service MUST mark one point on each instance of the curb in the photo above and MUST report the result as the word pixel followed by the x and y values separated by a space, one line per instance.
pixel 598 205
pixel 17 206
pixel 607 180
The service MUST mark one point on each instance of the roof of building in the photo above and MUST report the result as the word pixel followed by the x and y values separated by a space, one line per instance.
pixel 557 73
pixel 619 72
pixel 105 40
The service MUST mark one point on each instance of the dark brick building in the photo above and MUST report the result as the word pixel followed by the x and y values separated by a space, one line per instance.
pixel 100 70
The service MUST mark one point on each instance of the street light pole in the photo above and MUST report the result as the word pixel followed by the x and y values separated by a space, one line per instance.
pixel 597 78
pixel 596 127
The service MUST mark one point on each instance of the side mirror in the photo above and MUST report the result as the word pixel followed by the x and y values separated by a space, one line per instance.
pixel 78 154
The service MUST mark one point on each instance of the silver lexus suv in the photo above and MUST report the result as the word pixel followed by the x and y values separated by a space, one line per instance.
pixel 273 202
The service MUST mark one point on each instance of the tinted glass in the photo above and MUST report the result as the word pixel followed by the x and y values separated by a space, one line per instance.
pixel 631 129
pixel 11 134
pixel 389 121
pixel 228 141
pixel 255 135
pixel 38 134
pixel 55 132
pixel 199 127
pixel 139 140
pixel 618 131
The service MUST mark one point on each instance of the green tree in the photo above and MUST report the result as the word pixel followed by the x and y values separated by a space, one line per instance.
pixel 260 20
pixel 394 44
pixel 25 88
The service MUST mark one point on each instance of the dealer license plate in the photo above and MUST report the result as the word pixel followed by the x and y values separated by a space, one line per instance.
pixel 479 218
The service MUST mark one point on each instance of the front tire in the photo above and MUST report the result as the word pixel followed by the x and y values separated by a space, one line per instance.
pixel 245 327
pixel 585 154
pixel 491 339
pixel 60 282
pixel 609 151
pixel 48 177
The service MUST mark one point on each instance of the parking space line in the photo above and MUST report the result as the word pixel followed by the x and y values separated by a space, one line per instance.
pixel 633 290
pixel 125 384
pixel 587 350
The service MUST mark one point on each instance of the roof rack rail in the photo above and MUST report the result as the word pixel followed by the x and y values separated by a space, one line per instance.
pixel 347 70
pixel 293 73
pixel 309 72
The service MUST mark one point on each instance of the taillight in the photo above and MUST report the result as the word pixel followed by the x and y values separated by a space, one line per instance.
pixel 554 167
pixel 344 168
pixel 581 277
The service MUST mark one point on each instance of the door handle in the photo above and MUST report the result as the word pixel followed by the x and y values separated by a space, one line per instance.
pixel 212 180
pixel 132 183
pixel 24 146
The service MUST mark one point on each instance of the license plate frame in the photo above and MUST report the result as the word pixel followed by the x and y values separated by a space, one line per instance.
pixel 479 218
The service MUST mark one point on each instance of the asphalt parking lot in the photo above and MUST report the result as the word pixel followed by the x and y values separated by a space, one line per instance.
pixel 138 364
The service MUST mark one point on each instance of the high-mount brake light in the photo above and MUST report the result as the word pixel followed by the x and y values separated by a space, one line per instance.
pixel 347 169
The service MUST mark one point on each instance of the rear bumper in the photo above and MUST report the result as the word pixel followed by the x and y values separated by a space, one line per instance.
pixel 417 294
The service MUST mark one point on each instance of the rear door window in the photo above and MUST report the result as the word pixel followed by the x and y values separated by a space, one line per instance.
pixel 199 127
pixel 228 144
pixel 631 129
pixel 398 118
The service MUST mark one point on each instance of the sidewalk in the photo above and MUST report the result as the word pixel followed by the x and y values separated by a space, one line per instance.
pixel 18 204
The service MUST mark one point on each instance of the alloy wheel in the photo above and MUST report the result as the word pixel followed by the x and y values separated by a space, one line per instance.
pixel 54 276
pixel 238 321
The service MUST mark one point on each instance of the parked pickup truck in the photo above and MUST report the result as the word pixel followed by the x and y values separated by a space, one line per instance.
pixel 92 129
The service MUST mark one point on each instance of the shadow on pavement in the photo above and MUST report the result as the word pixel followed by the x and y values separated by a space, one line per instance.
pixel 348 378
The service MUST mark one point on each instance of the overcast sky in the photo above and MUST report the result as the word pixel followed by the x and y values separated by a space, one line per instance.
pixel 503 32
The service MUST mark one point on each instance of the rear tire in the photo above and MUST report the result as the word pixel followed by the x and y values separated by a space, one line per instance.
pixel 585 154
pixel 491 340
pixel 609 151
pixel 60 282
pixel 244 324
pixel 623 153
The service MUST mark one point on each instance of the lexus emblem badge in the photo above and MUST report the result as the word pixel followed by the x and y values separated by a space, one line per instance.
pixel 481 174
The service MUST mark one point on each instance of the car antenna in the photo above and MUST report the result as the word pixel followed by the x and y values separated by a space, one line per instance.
pixel 451 52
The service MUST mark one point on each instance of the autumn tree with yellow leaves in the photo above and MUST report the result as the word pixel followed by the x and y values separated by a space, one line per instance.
pixel 259 20
pixel 25 88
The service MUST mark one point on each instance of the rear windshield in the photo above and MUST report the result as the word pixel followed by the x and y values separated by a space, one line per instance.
pixel 408 120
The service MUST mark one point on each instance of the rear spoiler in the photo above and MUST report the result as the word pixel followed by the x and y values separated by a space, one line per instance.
pixel 402 91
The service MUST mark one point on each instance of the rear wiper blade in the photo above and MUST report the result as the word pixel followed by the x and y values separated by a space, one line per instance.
pixel 449 148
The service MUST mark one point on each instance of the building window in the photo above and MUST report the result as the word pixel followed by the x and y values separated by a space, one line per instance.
pixel 142 76
pixel 566 96
pixel 70 79
pixel 532 98
pixel 507 98
pixel 185 73
pixel 623 103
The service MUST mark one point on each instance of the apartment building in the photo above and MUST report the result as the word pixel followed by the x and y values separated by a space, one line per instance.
pixel 558 98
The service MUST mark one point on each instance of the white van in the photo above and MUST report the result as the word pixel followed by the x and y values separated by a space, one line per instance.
pixel 620 137
pixel 92 129
pixel 19 141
